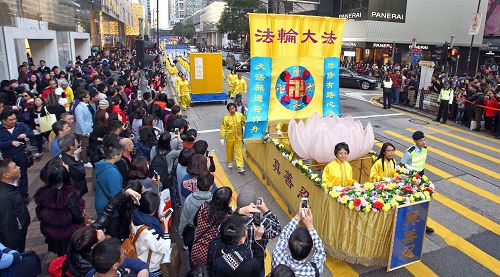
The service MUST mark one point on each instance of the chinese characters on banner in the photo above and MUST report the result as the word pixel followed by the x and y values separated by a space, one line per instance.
pixel 408 235
pixel 295 63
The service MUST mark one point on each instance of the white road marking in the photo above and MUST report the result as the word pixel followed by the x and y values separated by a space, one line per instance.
pixel 354 117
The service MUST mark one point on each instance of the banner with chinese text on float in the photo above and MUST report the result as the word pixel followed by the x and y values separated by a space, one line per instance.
pixel 408 235
pixel 294 70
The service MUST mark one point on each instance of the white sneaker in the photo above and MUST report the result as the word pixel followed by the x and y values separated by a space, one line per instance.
pixel 241 170
pixel 230 165
pixel 88 165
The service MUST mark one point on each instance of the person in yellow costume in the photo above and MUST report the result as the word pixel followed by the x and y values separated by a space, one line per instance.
pixel 68 94
pixel 240 86
pixel 385 165
pixel 231 81
pixel 231 134
pixel 339 171
pixel 185 93
pixel 177 81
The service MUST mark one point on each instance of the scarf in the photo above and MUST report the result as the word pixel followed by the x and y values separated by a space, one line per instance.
pixel 140 218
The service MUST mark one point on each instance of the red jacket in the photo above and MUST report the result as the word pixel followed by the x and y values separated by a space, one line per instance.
pixel 493 103
pixel 46 93
pixel 397 80
pixel 116 109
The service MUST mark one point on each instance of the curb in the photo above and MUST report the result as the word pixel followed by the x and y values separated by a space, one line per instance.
pixel 378 100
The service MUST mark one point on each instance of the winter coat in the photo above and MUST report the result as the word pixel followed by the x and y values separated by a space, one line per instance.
pixel 14 217
pixel 59 210
pixel 6 139
pixel 76 173
pixel 108 183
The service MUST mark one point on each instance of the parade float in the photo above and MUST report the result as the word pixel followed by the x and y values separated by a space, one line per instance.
pixel 294 122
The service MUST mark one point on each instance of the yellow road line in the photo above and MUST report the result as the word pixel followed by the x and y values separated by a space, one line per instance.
pixel 459 147
pixel 223 180
pixel 450 157
pixel 466 247
pixel 469 141
pixel 337 267
pixel 459 182
pixel 461 209
pixel 420 269
pixel 468 213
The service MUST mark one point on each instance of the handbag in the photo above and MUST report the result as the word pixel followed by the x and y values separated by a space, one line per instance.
pixel 47 121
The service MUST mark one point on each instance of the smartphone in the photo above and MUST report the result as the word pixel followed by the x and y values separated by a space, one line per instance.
pixel 256 219
pixel 167 213
pixel 136 201
pixel 304 204
pixel 206 153
pixel 156 175
pixel 258 202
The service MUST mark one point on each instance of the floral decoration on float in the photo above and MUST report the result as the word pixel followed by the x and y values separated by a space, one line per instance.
pixel 406 188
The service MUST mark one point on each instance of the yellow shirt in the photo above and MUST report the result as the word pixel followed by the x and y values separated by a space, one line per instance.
pixel 240 86
pixel 389 171
pixel 68 93
pixel 337 173
pixel 184 88
pixel 231 79
pixel 231 127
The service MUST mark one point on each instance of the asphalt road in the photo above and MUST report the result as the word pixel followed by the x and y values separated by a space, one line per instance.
pixel 463 165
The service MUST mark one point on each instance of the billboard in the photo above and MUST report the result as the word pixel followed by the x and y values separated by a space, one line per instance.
pixel 376 10
pixel 492 25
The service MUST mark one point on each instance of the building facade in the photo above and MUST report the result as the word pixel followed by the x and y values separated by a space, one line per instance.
pixel 372 27
pixel 41 29
pixel 205 23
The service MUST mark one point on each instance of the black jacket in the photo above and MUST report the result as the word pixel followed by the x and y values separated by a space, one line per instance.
pixel 14 217
pixel 110 209
pixel 76 172
pixel 77 264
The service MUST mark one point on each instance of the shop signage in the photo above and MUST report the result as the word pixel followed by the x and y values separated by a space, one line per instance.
pixel 376 10
pixel 381 45
pixel 408 234
pixel 353 44
pixel 349 54
pixel 421 47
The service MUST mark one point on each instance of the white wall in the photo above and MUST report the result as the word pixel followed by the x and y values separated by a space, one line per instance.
pixel 429 21
pixel 80 45
pixel 42 43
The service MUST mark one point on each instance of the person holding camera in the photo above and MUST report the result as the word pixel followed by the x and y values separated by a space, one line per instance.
pixel 300 242
pixel 13 139
pixel 256 213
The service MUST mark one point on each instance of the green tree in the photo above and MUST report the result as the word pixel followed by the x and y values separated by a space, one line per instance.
pixel 234 18
pixel 183 30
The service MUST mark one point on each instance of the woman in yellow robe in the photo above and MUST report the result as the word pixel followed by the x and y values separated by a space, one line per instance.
pixel 231 79
pixel 339 171
pixel 385 165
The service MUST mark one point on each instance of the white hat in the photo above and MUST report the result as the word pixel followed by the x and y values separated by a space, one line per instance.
pixel 59 91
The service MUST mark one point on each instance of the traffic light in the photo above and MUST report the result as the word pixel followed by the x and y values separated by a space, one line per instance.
pixel 453 52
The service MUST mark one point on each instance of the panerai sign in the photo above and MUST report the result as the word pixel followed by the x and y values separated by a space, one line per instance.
pixel 377 10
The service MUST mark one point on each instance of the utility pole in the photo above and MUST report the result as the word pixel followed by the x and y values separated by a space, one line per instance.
pixel 471 42
pixel 158 26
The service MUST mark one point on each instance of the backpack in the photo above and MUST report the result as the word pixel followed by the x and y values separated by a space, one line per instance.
pixel 55 267
pixel 128 245
pixel 159 164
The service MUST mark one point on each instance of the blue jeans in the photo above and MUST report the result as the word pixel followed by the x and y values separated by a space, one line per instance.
pixel 396 97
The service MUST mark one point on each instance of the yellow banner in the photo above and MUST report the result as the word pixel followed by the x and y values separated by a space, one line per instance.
pixel 302 49
pixel 205 72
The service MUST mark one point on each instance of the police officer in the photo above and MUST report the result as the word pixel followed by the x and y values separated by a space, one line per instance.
pixel 445 99
pixel 387 87
pixel 415 156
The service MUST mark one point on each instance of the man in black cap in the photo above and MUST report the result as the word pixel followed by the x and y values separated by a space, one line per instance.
pixel 414 158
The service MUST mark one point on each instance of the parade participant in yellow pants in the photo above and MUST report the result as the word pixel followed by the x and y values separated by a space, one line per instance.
pixel 231 133
pixel 240 86
pixel 231 79
pixel 185 93
pixel 178 79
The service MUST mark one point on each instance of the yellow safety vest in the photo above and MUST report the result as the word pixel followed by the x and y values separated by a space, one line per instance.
pixel 445 94
pixel 388 84
pixel 418 160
